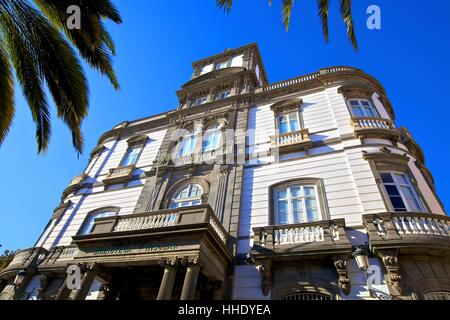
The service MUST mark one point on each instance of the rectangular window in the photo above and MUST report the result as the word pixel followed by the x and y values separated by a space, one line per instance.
pixel 363 108
pixel 131 156
pixel 401 192
pixel 296 204
pixel 289 122
pixel 198 101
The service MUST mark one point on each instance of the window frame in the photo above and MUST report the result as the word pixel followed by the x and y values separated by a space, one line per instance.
pixel 210 132
pixel 226 61
pixel 361 106
pixel 320 196
pixel 286 114
pixel 193 136
pixel 113 210
pixel 173 199
pixel 194 101
pixel 131 147
pixel 398 186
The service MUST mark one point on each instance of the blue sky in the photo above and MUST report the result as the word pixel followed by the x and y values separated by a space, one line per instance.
pixel 156 44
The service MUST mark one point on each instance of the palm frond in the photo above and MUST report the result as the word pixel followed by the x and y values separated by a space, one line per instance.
pixel 286 12
pixel 7 108
pixel 29 78
pixel 324 6
pixel 58 64
pixel 225 4
pixel 346 13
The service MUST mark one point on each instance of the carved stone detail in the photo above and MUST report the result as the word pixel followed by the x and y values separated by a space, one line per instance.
pixel 390 261
pixel 189 261
pixel 340 263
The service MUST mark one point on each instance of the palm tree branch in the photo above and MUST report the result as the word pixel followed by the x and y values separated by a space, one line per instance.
pixel 7 108
pixel 324 6
pixel 346 13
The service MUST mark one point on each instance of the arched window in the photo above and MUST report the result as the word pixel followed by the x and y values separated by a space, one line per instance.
pixel 298 201
pixel 89 222
pixel 188 143
pixel 187 196
pixel 212 138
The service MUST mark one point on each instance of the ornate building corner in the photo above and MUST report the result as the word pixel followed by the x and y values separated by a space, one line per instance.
pixel 340 263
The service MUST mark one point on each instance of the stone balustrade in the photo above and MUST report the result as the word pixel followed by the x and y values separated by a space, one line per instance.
pixel 292 141
pixel 25 259
pixel 119 175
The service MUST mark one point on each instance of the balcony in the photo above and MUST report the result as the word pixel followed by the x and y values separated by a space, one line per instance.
pixel 58 257
pixel 208 157
pixel 368 127
pixel 26 259
pixel 75 184
pixel 291 141
pixel 409 232
pixel 119 175
pixel 305 240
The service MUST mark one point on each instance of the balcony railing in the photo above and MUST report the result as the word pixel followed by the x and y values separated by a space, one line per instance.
pixel 301 238
pixel 119 175
pixel 292 141
pixel 160 221
pixel 199 157
pixel 59 256
pixel 374 127
pixel 24 259
pixel 408 229
pixel 308 77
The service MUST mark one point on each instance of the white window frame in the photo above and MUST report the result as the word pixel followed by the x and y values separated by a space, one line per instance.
pixel 190 200
pixel 363 108
pixel 288 117
pixel 290 211
pixel 399 186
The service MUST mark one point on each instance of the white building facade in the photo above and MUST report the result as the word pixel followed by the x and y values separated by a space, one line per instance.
pixel 301 189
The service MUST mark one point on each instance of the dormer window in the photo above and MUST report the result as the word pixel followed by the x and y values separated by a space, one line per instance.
pixel 198 101
pixel 223 94
pixel 222 65
pixel 362 108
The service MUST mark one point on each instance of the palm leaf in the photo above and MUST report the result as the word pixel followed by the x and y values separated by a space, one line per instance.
pixel 6 93
pixel 286 12
pixel 346 13
pixel 324 6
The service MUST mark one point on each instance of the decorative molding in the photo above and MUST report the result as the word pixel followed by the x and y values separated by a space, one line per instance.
pixel 391 263
pixel 265 270
pixel 340 263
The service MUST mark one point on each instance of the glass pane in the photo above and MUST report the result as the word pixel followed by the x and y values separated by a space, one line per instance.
pixel 282 194
pixel 294 124
pixel 354 103
pixel 398 204
pixel 402 179
pixel 311 209
pixel 365 103
pixel 309 191
pixel 386 178
pixel 88 224
pixel 413 204
pixel 284 127
pixel 370 112
pixel 196 191
pixel 295 192
pixel 357 112
pixel 392 190
pixel 282 212
pixel 297 211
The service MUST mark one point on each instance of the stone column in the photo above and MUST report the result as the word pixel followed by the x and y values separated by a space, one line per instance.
pixel 168 280
pixel 190 281
pixel 86 283
pixel 45 280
